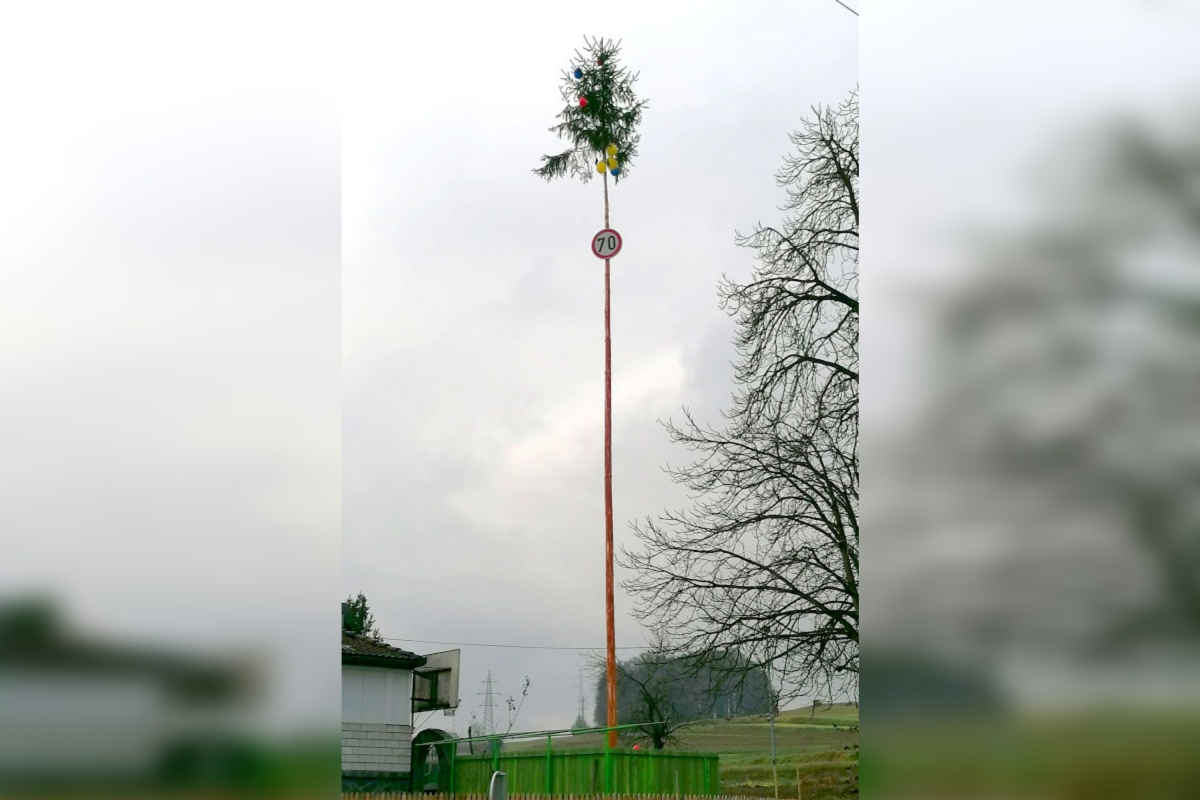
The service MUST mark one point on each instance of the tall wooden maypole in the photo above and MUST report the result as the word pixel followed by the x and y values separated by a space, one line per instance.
pixel 600 121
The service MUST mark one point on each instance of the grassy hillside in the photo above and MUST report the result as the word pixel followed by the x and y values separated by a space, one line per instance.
pixel 840 714
pixel 822 748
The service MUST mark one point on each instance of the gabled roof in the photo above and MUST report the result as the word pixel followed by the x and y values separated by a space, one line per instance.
pixel 363 651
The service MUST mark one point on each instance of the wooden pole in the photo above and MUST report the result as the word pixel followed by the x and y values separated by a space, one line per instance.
pixel 608 509
pixel 774 762
pixel 799 791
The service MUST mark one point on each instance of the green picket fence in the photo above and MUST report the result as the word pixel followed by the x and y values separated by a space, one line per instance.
pixel 591 772
pixel 568 772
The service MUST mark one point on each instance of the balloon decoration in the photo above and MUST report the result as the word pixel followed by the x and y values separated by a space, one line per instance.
pixel 582 102
pixel 608 161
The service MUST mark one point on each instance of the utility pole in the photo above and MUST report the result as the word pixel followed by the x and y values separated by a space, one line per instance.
pixel 774 713
pixel 581 716
pixel 774 763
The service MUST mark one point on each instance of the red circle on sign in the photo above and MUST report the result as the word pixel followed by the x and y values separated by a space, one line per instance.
pixel 606 244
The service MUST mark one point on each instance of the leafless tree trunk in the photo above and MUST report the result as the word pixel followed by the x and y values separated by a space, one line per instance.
pixel 647 678
pixel 765 563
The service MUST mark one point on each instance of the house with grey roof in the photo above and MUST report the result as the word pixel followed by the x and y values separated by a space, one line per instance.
pixel 382 688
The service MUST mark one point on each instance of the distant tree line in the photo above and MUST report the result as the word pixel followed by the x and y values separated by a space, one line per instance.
pixel 666 691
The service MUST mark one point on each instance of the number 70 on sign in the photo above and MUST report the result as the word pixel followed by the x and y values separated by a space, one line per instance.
pixel 606 243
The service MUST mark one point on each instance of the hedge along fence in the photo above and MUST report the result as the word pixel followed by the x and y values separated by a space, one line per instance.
pixel 653 773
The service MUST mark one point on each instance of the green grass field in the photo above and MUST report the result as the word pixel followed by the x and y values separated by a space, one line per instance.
pixel 820 750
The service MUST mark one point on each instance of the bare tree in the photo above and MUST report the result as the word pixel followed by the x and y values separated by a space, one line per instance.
pixel 662 690
pixel 514 706
pixel 765 562
pixel 644 684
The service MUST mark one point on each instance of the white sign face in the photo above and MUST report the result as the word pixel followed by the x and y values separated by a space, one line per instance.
pixel 606 243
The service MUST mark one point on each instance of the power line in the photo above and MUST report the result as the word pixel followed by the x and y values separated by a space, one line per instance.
pixel 509 646
pixel 848 8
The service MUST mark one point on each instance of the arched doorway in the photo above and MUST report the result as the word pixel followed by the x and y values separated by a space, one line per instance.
pixel 431 762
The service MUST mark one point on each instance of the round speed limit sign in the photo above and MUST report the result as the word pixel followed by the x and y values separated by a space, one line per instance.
pixel 606 243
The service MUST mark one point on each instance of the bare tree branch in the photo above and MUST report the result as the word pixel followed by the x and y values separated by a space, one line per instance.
pixel 764 563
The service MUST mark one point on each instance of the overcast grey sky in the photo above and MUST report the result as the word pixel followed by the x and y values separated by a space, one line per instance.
pixel 964 107
pixel 473 309
pixel 170 180
pixel 169 363
pixel 981 122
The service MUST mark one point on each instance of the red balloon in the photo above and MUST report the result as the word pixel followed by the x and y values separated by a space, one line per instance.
pixel 582 102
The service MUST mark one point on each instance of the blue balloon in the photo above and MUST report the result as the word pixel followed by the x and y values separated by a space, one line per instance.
pixel 578 73
pixel 616 171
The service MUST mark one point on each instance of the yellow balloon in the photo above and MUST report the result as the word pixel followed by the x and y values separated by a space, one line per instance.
pixel 611 149
pixel 612 163
pixel 601 168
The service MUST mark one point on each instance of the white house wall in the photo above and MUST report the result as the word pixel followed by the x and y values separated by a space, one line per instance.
pixel 371 694
pixel 376 719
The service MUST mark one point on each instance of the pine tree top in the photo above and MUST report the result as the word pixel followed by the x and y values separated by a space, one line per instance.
pixel 601 110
